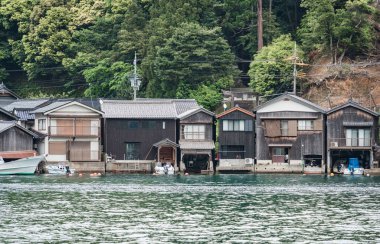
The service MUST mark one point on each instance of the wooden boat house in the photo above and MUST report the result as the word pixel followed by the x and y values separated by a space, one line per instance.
pixel 236 139
pixel 290 131
pixel 351 133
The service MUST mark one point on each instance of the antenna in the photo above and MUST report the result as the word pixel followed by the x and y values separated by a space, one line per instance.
pixel 135 80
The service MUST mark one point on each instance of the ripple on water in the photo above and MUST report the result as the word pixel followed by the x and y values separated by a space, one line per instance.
pixel 228 208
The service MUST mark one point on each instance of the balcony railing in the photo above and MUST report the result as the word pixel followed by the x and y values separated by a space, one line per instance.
pixel 74 131
pixel 350 142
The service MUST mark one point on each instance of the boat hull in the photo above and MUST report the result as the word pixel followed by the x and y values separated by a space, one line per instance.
pixel 25 166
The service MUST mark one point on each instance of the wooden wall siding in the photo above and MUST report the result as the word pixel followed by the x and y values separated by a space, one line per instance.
pixel 65 127
pixel 80 151
pixel 312 140
pixel 272 128
pixel 198 118
pixel 58 147
pixel 246 138
pixel 15 139
pixel 318 124
pixel 117 134
pixel 335 128
pixel 292 127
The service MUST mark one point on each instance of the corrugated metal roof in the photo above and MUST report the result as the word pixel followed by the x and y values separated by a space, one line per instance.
pixel 197 145
pixel 25 104
pixel 146 108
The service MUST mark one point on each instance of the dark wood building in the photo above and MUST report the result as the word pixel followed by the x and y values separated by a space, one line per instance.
pixel 6 95
pixel 15 141
pixel 351 133
pixel 144 129
pixel 290 130
pixel 197 137
pixel 236 139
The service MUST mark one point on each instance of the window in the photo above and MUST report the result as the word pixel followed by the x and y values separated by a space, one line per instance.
pixel 305 125
pixel 358 137
pixel 232 152
pixel 42 124
pixel 132 150
pixel 284 128
pixel 277 151
pixel 133 124
pixel 149 124
pixel 237 125
pixel 194 132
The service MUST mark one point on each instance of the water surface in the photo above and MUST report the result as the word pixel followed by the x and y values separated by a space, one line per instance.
pixel 202 209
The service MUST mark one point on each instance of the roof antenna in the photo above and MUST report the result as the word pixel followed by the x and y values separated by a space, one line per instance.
pixel 135 80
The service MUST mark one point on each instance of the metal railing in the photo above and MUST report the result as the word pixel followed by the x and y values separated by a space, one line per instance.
pixel 350 142
pixel 93 131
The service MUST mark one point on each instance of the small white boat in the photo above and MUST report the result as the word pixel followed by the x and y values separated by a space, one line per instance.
pixel 59 170
pixel 24 166
pixel 353 171
pixel 166 169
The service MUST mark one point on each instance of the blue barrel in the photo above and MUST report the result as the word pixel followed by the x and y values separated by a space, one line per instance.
pixel 353 163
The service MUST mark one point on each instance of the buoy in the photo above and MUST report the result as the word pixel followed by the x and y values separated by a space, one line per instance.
pixel 186 174
pixel 332 174
pixel 80 174
pixel 367 174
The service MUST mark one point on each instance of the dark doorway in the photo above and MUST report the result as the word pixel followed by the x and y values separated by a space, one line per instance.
pixel 195 163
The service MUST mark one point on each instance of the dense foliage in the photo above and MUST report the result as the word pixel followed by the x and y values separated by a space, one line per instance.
pixel 186 48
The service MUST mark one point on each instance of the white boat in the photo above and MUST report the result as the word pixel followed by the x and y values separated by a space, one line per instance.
pixel 59 169
pixel 353 171
pixel 24 166
pixel 167 169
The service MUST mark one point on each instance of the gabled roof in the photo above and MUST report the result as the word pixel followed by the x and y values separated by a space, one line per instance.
pixel 5 125
pixel 166 142
pixel 194 111
pixel 235 109
pixel 59 104
pixel 351 103
pixel 4 89
pixel 8 114
pixel 293 98
pixel 146 108
pixel 23 104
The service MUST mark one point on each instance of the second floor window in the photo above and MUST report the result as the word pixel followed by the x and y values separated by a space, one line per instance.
pixel 194 132
pixel 358 137
pixel 284 128
pixel 42 124
pixel 305 125
pixel 237 125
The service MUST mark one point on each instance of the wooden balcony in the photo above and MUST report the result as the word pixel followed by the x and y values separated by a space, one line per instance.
pixel 350 143
pixel 74 131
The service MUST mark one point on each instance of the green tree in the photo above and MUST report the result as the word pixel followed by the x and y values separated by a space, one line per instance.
pixel 194 55
pixel 271 71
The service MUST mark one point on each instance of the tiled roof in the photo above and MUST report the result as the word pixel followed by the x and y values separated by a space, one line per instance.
pixel 4 89
pixel 146 108
pixel 9 114
pixel 352 104
pixel 235 109
pixel 197 145
pixel 25 104
pixel 5 125
pixel 24 114
pixel 51 106
pixel 193 111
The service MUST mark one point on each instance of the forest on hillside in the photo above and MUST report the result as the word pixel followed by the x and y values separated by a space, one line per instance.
pixel 185 48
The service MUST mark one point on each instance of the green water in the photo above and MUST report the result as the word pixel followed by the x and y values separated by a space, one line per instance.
pixel 202 209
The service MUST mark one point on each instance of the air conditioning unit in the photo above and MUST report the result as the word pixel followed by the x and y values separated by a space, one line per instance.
pixel 249 161
pixel 334 144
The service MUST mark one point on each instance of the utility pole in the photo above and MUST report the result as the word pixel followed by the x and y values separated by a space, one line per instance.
pixel 135 80
pixel 259 25
pixel 295 69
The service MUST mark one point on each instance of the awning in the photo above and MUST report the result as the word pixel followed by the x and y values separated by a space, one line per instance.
pixel 17 154
pixel 358 124
pixel 195 145
pixel 280 145
pixel 166 142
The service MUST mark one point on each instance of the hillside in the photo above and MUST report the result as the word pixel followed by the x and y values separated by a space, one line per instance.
pixel 331 85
